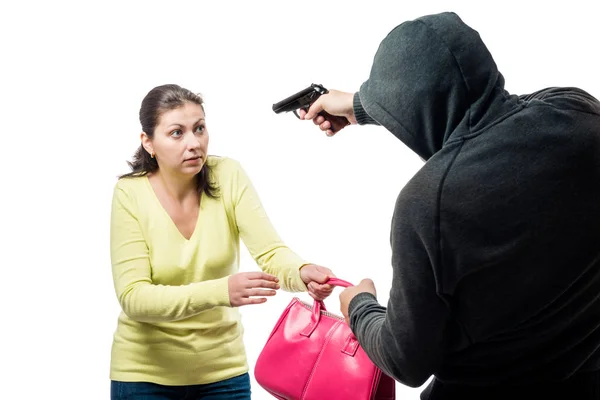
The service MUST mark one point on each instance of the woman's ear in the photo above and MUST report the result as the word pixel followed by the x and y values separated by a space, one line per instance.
pixel 147 143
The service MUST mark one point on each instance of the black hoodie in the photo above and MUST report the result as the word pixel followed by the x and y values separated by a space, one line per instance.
pixel 496 240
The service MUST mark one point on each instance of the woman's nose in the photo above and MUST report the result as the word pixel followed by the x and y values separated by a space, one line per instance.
pixel 192 141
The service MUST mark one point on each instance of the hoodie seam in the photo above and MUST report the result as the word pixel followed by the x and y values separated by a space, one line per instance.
pixel 543 103
pixel 439 246
pixel 438 216
pixel 473 134
pixel 462 75
pixel 459 67
pixel 388 115
pixel 518 107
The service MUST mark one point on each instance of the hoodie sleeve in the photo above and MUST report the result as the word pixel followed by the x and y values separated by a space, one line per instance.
pixel 429 76
pixel 406 339
pixel 362 117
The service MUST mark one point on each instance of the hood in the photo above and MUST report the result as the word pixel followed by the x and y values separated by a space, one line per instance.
pixel 428 76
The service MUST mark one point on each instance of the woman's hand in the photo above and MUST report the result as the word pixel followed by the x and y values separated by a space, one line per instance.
pixel 251 288
pixel 314 277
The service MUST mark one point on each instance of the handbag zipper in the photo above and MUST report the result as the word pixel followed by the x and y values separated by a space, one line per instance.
pixel 310 307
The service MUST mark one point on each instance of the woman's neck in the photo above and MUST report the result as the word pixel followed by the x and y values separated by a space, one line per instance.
pixel 177 187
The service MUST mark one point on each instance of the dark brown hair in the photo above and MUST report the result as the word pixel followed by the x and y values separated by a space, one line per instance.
pixel 157 101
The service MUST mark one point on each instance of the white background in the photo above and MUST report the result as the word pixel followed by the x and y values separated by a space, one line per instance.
pixel 72 79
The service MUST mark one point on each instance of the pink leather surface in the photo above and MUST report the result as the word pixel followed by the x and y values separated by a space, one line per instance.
pixel 313 356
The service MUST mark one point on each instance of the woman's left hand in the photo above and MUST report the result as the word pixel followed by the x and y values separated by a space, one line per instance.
pixel 314 277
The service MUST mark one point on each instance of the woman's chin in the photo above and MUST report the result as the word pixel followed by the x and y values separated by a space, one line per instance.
pixel 192 169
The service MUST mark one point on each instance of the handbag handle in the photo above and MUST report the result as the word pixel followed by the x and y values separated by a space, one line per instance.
pixel 338 282
pixel 319 306
pixel 333 282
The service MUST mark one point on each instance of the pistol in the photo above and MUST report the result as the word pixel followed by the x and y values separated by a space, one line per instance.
pixel 303 99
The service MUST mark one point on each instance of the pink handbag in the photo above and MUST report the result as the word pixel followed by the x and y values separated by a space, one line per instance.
pixel 312 354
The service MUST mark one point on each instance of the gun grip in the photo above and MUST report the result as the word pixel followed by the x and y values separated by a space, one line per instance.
pixel 337 123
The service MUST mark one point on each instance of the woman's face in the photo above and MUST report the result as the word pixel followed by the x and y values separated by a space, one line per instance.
pixel 180 141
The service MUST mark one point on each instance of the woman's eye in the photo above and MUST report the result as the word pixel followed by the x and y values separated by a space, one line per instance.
pixel 200 128
pixel 176 133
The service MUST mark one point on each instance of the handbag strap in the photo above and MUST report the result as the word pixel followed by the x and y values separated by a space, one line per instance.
pixel 319 306
pixel 338 282
pixel 333 282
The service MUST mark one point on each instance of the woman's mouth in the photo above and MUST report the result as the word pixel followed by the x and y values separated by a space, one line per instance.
pixel 193 160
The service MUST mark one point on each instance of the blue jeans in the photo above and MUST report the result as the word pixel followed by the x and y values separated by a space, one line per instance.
pixel 237 388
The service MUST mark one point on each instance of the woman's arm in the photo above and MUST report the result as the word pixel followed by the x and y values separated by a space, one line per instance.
pixel 140 298
pixel 259 235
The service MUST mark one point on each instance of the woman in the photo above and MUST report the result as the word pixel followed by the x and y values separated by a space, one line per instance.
pixel 175 228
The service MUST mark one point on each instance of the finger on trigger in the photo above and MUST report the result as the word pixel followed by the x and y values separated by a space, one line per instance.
pixel 314 109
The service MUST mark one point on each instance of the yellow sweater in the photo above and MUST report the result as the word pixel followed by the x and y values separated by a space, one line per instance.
pixel 177 326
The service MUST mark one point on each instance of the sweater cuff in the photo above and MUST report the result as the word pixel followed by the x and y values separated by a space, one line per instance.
pixel 298 284
pixel 359 112
pixel 214 292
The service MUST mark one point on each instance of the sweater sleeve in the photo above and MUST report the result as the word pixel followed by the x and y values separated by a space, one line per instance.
pixel 140 298
pixel 261 238
pixel 404 339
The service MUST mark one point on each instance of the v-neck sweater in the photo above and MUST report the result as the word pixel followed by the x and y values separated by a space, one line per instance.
pixel 177 326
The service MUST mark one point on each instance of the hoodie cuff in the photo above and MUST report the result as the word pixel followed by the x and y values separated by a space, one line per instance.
pixel 359 300
pixel 360 114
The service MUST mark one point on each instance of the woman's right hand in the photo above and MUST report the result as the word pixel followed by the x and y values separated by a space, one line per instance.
pixel 332 111
pixel 251 288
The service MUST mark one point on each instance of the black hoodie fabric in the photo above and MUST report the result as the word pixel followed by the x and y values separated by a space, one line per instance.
pixel 496 239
